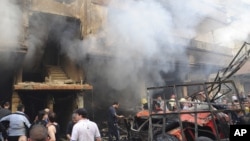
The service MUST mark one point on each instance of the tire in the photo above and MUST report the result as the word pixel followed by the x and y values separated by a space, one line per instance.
pixel 202 138
pixel 166 137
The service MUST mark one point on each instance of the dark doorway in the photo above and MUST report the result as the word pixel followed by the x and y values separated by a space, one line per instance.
pixel 63 104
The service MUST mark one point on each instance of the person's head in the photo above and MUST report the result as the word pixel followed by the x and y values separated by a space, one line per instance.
pixel 183 100
pixel 20 108
pixel 116 104
pixel 224 101
pixel 234 98
pixel 157 106
pixel 172 96
pixel 52 117
pixel 6 105
pixel 201 96
pixel 38 132
pixel 41 115
pixel 81 113
pixel 143 101
pixel 74 117
pixel 145 106
pixel 46 110
pixel 159 97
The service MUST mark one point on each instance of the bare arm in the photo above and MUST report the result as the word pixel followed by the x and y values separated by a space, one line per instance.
pixel 68 136
pixel 119 116
pixel 52 132
pixel 98 139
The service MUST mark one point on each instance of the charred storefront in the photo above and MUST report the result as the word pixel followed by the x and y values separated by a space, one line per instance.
pixel 34 68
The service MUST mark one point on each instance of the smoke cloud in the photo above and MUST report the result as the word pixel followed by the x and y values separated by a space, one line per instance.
pixel 10 27
pixel 143 40
pixel 140 42
pixel 10 24
pixel 238 28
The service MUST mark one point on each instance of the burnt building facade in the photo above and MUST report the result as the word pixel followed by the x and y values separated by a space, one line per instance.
pixel 45 77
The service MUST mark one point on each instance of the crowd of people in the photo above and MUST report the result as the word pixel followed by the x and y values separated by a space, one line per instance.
pixel 161 105
pixel 16 126
pixel 199 102
pixel 238 105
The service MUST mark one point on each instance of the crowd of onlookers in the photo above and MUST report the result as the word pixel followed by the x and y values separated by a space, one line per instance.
pixel 199 102
pixel 16 126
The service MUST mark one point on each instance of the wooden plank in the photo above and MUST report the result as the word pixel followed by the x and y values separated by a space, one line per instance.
pixel 49 86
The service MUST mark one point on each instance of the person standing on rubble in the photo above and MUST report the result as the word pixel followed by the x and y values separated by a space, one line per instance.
pixel 113 129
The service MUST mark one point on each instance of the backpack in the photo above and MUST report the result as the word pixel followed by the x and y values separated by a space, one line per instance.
pixel 4 125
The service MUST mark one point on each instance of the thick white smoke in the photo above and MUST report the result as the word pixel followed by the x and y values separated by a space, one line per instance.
pixel 10 24
pixel 238 28
pixel 143 39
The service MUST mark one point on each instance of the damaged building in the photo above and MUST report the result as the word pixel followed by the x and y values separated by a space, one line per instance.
pixel 37 71
pixel 49 79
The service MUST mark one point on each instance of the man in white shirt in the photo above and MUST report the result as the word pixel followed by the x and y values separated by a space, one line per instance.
pixel 84 129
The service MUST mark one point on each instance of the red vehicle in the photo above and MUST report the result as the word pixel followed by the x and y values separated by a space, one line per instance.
pixel 207 117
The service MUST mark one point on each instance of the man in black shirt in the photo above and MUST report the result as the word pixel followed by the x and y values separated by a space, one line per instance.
pixel 70 125
pixel 4 112
pixel 112 122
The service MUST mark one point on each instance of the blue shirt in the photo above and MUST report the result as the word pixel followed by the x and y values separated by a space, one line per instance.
pixel 17 123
